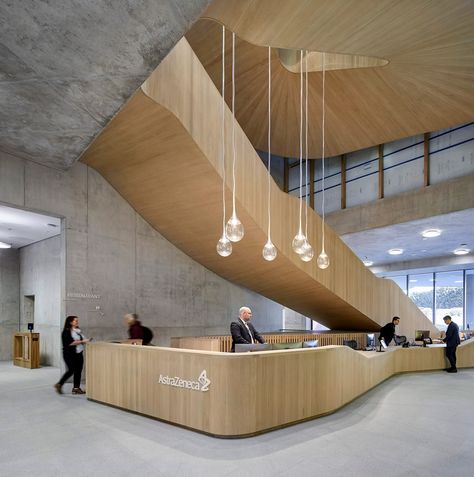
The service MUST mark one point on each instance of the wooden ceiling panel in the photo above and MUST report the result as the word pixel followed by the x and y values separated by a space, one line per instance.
pixel 427 84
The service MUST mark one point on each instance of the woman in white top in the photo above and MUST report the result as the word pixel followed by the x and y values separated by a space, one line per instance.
pixel 73 347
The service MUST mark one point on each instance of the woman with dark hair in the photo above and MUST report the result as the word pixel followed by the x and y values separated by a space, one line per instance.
pixel 73 347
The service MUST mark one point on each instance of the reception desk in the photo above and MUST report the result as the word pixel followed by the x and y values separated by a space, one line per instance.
pixel 242 394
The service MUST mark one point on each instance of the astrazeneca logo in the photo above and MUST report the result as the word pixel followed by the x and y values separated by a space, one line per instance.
pixel 201 384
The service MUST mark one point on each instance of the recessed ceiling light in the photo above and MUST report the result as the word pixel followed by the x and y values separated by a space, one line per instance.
pixel 413 280
pixel 458 281
pixel 462 250
pixel 5 245
pixel 429 233
pixel 367 262
pixel 395 251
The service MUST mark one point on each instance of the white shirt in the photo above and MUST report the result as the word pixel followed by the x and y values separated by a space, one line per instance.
pixel 76 336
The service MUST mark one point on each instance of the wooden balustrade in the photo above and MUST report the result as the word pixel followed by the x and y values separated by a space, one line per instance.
pixel 224 343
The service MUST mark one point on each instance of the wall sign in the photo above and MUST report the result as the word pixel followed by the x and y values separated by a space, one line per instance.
pixel 201 384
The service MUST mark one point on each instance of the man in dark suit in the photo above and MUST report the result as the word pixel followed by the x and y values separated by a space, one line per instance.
pixel 388 331
pixel 452 341
pixel 242 330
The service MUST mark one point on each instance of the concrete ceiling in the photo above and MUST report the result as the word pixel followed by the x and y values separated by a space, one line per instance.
pixel 20 227
pixel 67 67
pixel 457 228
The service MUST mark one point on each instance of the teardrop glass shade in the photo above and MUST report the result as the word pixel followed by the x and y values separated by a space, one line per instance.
pixel 269 251
pixel 308 252
pixel 234 229
pixel 224 246
pixel 298 243
pixel 323 260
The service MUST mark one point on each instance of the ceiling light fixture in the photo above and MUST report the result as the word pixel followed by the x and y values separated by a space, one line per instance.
pixel 299 240
pixel 429 233
pixel 395 251
pixel 5 245
pixel 462 250
pixel 269 251
pixel 224 245
pixel 234 228
pixel 323 259
pixel 367 262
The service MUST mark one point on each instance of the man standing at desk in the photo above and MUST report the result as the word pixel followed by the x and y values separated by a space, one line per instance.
pixel 388 331
pixel 242 330
pixel 452 341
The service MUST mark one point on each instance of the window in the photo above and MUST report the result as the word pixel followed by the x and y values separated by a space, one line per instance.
pixel 449 298
pixel 401 281
pixel 469 289
pixel 420 290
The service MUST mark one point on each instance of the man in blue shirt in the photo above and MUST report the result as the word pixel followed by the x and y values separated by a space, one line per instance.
pixel 452 341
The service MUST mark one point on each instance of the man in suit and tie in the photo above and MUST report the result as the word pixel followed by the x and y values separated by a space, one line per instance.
pixel 452 341
pixel 242 330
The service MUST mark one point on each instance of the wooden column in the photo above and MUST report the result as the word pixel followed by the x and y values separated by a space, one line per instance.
pixel 286 174
pixel 426 166
pixel 381 192
pixel 343 181
pixel 311 184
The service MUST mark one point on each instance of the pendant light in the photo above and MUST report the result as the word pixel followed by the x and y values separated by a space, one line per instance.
pixel 308 252
pixel 224 245
pixel 269 251
pixel 323 259
pixel 234 228
pixel 299 239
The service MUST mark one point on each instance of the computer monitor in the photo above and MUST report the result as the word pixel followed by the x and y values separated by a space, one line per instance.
pixel 243 348
pixel 370 340
pixel 421 335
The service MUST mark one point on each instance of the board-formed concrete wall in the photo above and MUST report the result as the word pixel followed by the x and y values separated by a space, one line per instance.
pixel 115 263
pixel 9 299
pixel 40 277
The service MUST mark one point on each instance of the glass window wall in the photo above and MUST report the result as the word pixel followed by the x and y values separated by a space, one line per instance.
pixel 469 299
pixel 449 300
pixel 401 281
pixel 420 290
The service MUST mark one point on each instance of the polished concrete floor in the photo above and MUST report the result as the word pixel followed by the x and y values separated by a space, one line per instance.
pixel 411 425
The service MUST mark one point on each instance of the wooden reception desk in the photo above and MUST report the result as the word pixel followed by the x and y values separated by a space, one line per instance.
pixel 241 394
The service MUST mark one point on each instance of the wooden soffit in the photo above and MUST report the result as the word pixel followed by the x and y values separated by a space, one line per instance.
pixel 426 85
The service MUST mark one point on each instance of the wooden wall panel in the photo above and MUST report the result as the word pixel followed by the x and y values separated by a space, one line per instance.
pixel 162 153
pixel 270 389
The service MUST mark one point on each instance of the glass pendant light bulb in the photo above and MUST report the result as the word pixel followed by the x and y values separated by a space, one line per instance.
pixel 234 229
pixel 224 246
pixel 308 252
pixel 298 242
pixel 323 260
pixel 269 251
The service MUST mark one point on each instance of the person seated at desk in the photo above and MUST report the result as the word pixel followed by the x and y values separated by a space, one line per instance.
pixel 242 331
pixel 387 332
pixel 452 342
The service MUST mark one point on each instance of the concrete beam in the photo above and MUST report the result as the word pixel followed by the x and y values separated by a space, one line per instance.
pixel 450 196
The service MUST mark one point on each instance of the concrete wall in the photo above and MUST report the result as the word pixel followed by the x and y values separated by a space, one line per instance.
pixel 9 299
pixel 451 156
pixel 40 277
pixel 116 263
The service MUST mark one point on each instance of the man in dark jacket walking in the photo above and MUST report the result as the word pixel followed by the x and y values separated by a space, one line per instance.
pixel 452 341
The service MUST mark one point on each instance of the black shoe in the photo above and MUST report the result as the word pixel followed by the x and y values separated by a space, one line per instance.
pixel 58 387
pixel 452 370
pixel 78 391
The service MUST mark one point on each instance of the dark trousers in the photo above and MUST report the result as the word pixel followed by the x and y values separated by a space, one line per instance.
pixel 451 355
pixel 74 363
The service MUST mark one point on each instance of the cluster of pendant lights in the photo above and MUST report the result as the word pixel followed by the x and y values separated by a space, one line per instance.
pixel 233 230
